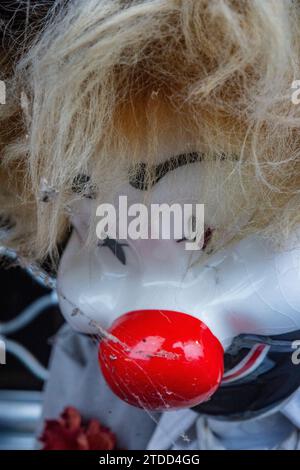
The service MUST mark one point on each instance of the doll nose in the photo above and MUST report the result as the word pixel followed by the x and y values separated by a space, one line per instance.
pixel 161 359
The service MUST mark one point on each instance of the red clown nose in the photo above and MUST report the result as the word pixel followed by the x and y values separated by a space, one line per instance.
pixel 161 359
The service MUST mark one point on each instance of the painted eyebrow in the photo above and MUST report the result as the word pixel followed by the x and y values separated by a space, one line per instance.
pixel 145 176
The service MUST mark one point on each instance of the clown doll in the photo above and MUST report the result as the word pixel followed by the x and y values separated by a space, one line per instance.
pixel 164 102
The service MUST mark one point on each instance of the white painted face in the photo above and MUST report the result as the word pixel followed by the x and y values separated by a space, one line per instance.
pixel 247 288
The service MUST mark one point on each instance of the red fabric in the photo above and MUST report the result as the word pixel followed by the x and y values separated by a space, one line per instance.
pixel 69 433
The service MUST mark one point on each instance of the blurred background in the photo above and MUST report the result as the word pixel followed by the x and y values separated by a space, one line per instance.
pixel 30 319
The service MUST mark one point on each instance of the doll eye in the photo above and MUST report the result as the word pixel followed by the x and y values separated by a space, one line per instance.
pixel 115 247
pixel 207 237
pixel 144 176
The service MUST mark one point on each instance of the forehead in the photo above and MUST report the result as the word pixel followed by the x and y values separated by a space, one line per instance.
pixel 153 128
pixel 151 131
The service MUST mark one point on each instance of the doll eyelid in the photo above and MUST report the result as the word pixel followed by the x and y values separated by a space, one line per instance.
pixel 115 247
pixel 207 237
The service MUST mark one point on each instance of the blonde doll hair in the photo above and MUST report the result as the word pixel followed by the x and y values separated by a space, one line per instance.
pixel 95 84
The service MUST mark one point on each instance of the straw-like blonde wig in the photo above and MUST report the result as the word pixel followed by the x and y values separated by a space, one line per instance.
pixel 96 84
